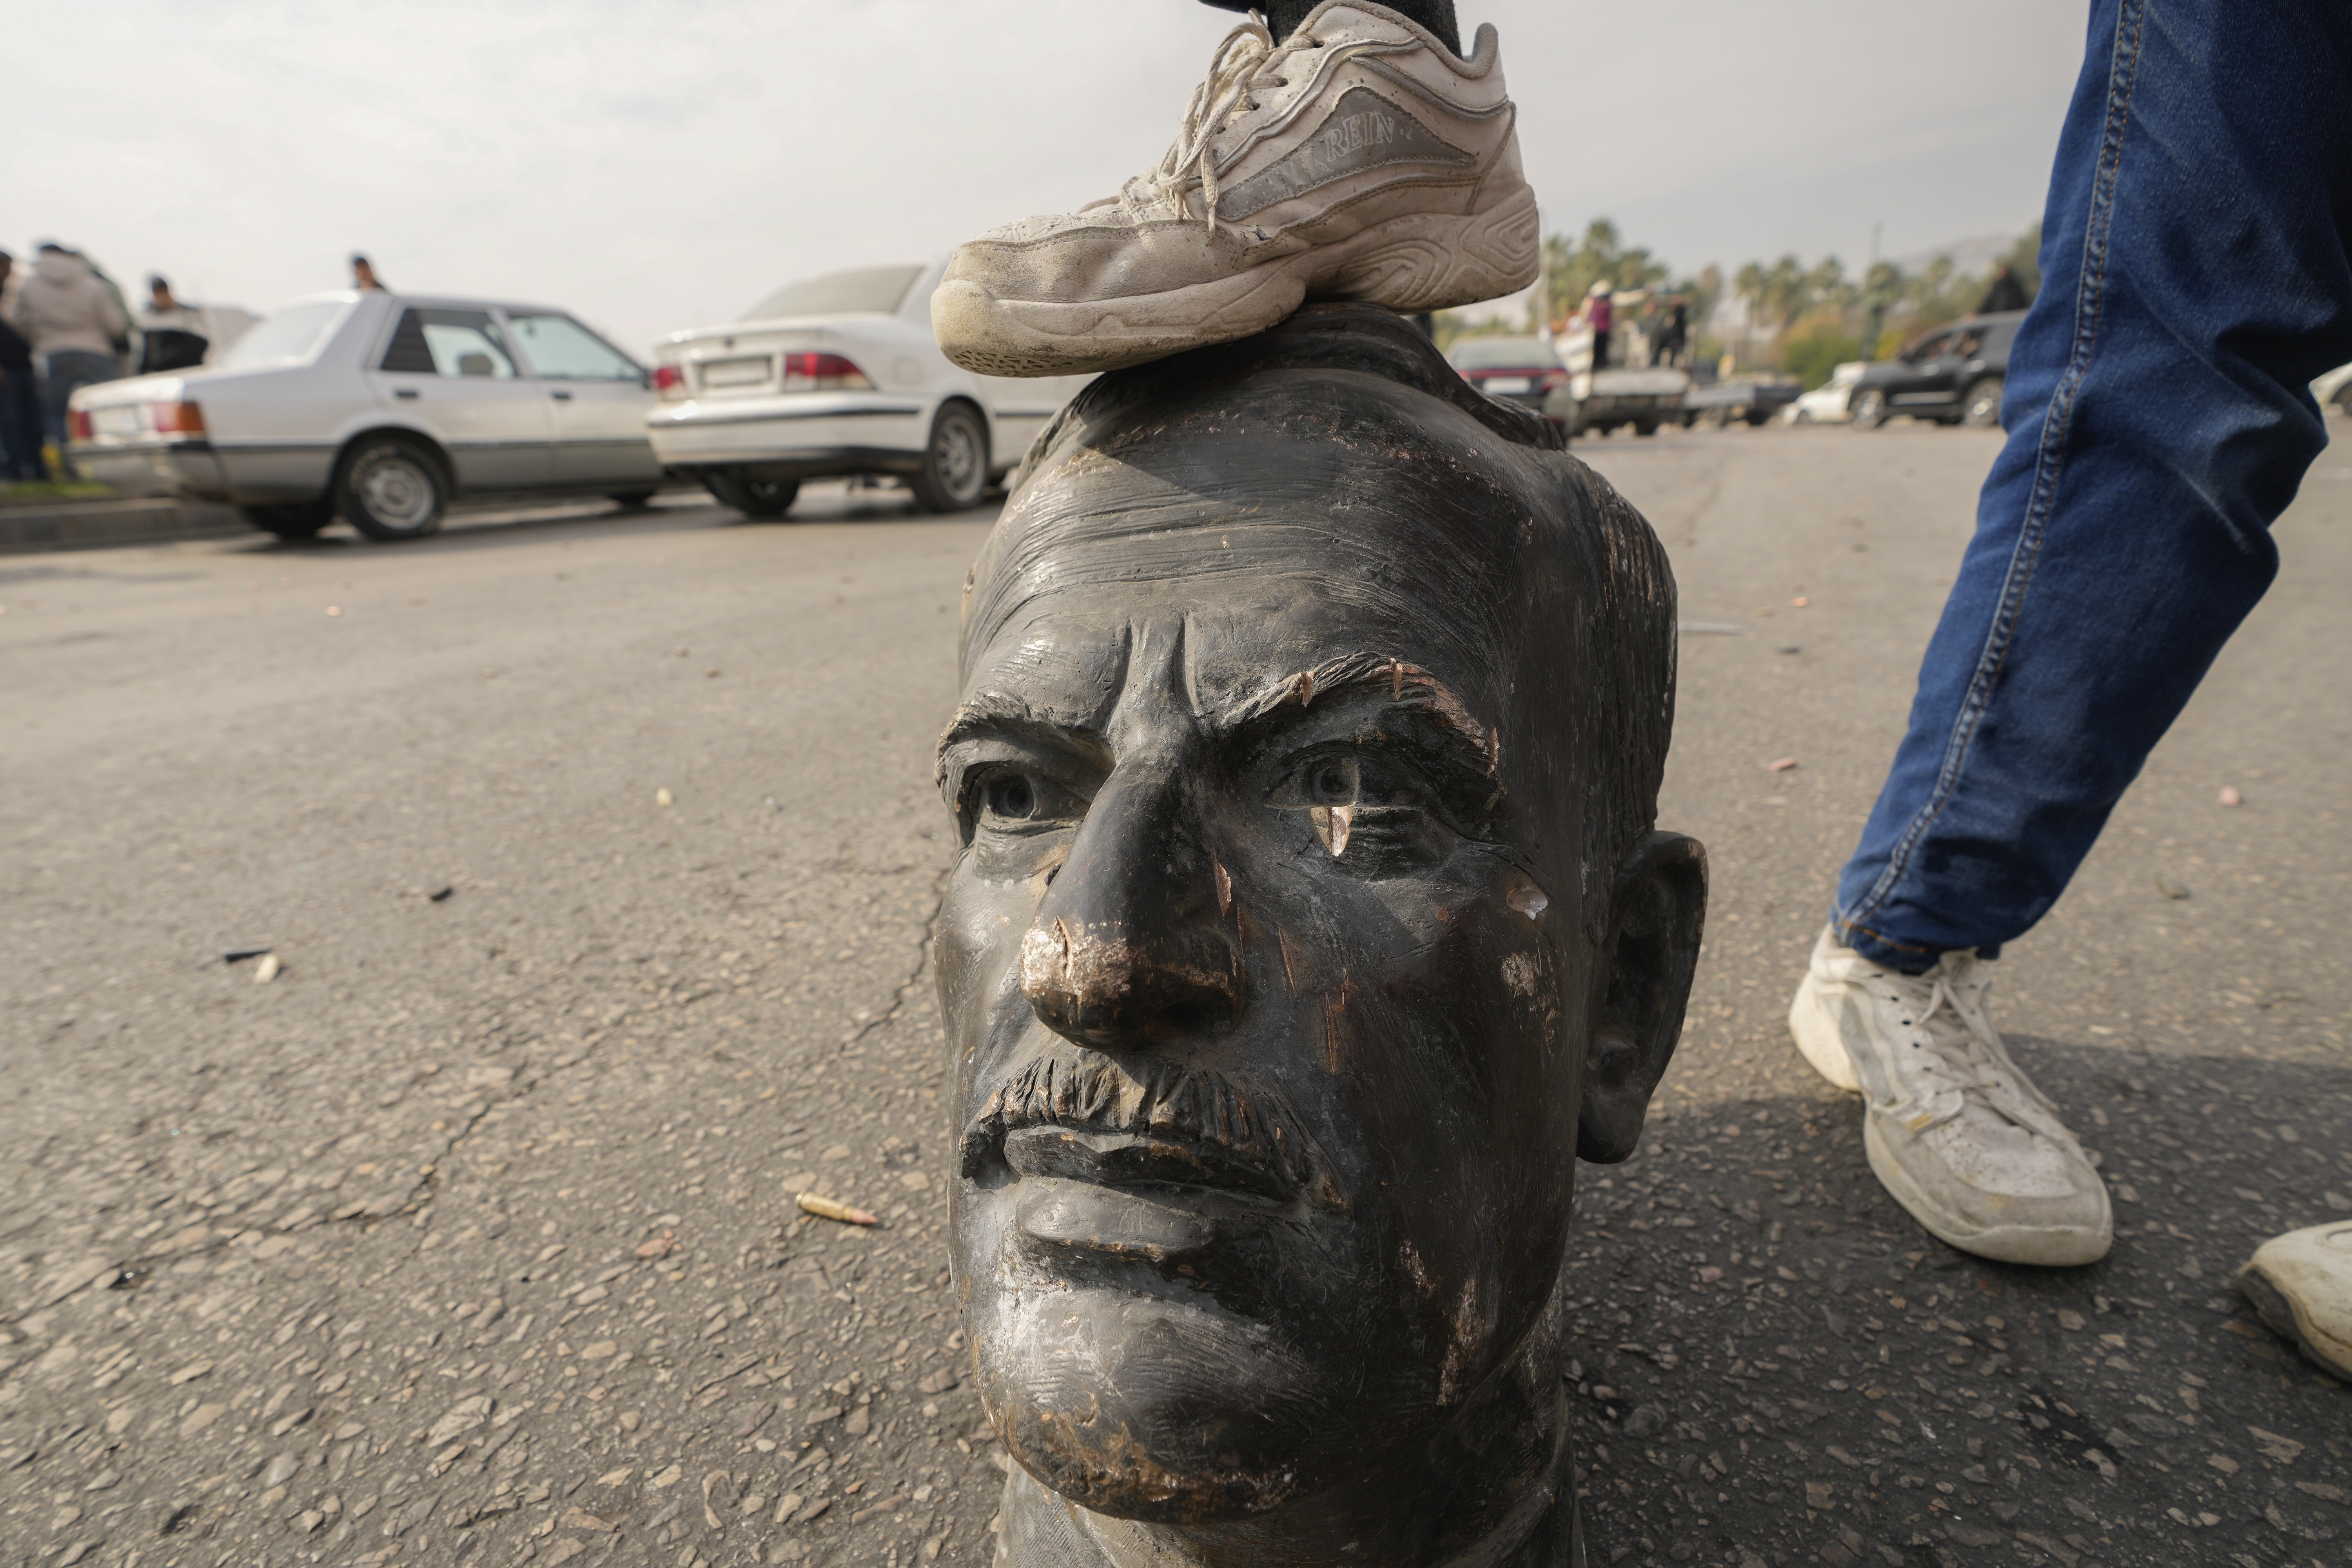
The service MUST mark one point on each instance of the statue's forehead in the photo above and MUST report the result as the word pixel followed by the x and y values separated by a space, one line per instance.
pixel 1227 644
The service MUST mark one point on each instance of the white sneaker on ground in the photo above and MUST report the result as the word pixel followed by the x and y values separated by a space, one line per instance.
pixel 1358 159
pixel 1956 1133
pixel 2300 1284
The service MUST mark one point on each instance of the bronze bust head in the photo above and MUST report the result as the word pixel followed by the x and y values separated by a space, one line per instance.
pixel 1308 924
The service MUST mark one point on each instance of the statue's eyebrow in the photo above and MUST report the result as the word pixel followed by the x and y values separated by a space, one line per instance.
pixel 1407 686
pixel 989 715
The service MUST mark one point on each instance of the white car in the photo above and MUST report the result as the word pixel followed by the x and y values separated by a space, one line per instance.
pixel 2335 389
pixel 840 375
pixel 1829 404
pixel 383 408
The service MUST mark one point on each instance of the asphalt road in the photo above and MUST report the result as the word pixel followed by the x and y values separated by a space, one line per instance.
pixel 599 853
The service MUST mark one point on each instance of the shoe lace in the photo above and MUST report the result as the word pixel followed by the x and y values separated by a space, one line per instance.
pixel 1972 1056
pixel 1243 62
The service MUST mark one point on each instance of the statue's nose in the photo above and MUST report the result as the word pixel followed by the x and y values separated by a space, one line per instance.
pixel 1131 947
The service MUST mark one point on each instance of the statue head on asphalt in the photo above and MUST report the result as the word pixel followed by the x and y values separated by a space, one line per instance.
pixel 1308 924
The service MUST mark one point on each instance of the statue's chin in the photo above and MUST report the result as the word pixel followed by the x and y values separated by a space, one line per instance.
pixel 1103 1467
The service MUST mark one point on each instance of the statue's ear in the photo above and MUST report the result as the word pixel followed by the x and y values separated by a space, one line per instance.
pixel 1656 913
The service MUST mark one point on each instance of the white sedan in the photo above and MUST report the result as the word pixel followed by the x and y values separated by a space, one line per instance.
pixel 840 375
pixel 1828 403
pixel 382 408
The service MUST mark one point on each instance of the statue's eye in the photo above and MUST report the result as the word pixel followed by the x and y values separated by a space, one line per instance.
pixel 1332 781
pixel 1012 798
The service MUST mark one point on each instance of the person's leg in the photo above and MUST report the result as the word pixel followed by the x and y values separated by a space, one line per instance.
pixel 1283 16
pixel 2196 279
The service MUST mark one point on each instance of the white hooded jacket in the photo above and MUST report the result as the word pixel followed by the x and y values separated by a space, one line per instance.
pixel 62 306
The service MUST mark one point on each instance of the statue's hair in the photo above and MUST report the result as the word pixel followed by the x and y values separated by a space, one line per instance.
pixel 1517 534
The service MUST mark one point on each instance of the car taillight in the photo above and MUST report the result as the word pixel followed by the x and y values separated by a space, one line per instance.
pixel 77 426
pixel 177 419
pixel 823 372
pixel 669 381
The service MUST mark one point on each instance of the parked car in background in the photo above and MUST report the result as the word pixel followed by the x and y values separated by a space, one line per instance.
pixel 1745 399
pixel 1952 375
pixel 1522 370
pixel 2334 390
pixel 1829 404
pixel 840 375
pixel 383 409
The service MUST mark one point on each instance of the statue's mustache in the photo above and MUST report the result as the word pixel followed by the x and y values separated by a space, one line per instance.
pixel 1088 1092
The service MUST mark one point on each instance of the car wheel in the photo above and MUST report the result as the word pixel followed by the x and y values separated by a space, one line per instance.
pixel 633 500
pixel 1756 417
pixel 955 465
pixel 1869 407
pixel 764 499
pixel 390 488
pixel 1981 406
pixel 291 520
pixel 1645 426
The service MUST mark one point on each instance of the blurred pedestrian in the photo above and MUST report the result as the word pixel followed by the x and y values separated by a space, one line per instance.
pixel 364 278
pixel 20 394
pixel 2006 294
pixel 1674 335
pixel 73 323
pixel 173 335
pixel 2160 419
pixel 1599 316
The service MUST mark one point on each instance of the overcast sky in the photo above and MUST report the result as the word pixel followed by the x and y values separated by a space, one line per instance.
pixel 657 164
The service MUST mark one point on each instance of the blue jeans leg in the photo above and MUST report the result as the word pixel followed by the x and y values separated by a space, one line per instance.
pixel 70 369
pixel 2195 279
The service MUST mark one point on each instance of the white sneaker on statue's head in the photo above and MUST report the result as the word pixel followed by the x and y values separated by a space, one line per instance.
pixel 1956 1133
pixel 1360 158
pixel 2300 1284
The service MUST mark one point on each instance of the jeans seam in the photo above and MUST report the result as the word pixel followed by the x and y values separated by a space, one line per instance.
pixel 2049 467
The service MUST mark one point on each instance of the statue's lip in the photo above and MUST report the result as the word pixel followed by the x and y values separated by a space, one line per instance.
pixel 1112 1159
pixel 1057 1215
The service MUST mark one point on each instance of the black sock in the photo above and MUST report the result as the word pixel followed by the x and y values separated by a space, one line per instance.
pixel 1283 16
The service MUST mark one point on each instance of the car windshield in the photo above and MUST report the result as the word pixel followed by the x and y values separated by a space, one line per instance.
pixel 869 291
pixel 1503 353
pixel 289 337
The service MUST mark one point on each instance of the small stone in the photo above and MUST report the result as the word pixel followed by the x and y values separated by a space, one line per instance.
pixel 663 797
pixel 202 1416
pixel 459 1419
pixel 310 1520
pixel 281 1469
pixel 859 1420
pixel 786 1509
pixel 669 1477
pixel 190 1372
pixel 2070 1321
pixel 1645 1421
pixel 602 1350
pixel 751 1417
pixel 838 1152
pixel 938 1381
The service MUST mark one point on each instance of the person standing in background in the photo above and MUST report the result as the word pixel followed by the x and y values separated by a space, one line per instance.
pixel 20 394
pixel 364 278
pixel 1599 315
pixel 174 336
pixel 2006 293
pixel 73 324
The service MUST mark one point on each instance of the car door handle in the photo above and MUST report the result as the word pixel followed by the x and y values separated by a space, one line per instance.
pixel 560 396
pixel 408 391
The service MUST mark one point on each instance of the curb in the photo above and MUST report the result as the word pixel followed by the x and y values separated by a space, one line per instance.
pixel 97 525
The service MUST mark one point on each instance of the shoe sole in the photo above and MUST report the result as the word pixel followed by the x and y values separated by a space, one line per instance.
pixel 1812 1024
pixel 2047 1247
pixel 2278 1308
pixel 1423 262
